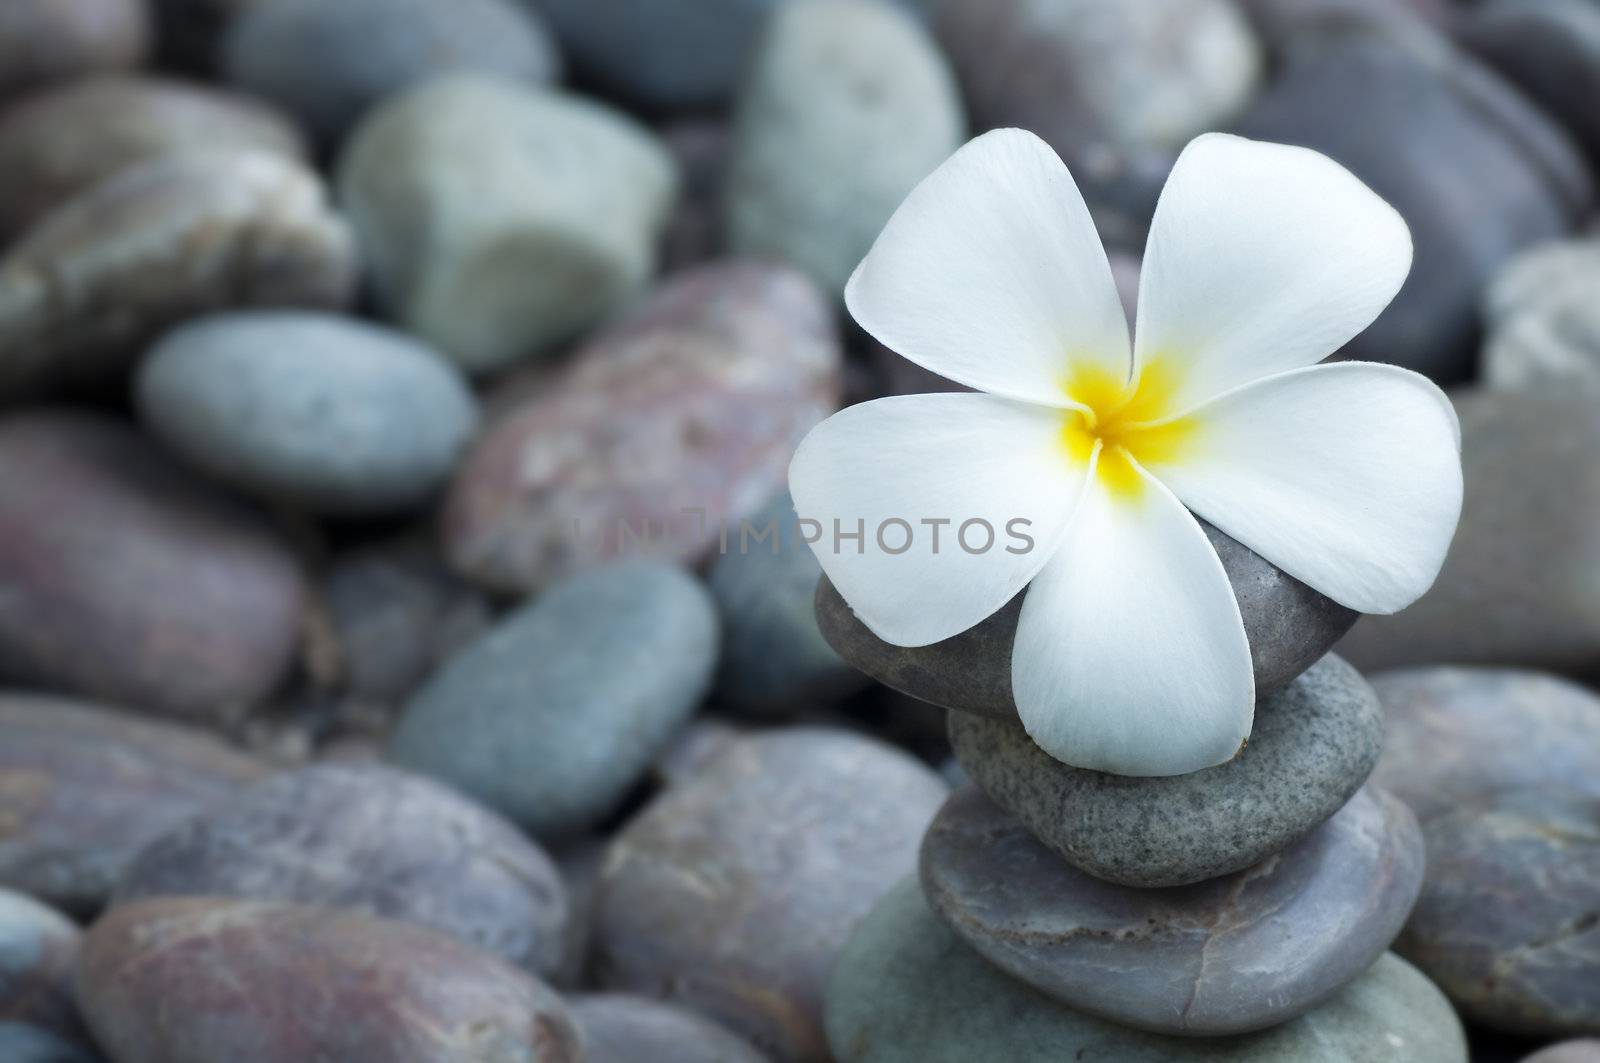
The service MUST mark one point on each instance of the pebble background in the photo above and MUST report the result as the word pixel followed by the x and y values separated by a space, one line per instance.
pixel 408 652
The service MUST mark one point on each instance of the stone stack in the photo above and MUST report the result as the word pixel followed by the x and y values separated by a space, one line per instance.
pixel 1240 912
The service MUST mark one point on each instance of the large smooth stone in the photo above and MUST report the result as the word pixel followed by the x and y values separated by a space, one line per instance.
pixel 662 433
pixel 1543 323
pixel 129 582
pixel 328 63
pixel 619 1028
pixel 1550 49
pixel 559 708
pixel 38 947
pixel 1585 1051
pixel 774 658
pixel 371 839
pixel 659 57
pixel 319 411
pixel 198 980
pixel 82 790
pixel 1477 172
pixel 1520 585
pixel 1456 735
pixel 1313 744
pixel 21 1043
pixel 45 41
pixel 1289 625
pixel 1507 921
pixel 846 106
pixel 907 990
pixel 1233 954
pixel 85 289
pixel 732 892
pixel 500 220
pixel 56 144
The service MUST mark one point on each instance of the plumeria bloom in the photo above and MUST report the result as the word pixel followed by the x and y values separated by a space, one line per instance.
pixel 1130 654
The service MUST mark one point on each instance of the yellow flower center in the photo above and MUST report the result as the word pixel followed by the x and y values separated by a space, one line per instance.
pixel 1129 419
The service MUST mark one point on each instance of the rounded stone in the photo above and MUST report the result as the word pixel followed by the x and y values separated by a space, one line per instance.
pixel 329 63
pixel 1531 966
pixel 83 789
pixel 846 106
pixel 196 980
pixel 56 144
pixel 907 990
pixel 1312 746
pixel 554 713
pixel 155 244
pixel 499 221
pixel 661 433
pixel 1518 586
pixel 45 41
pixel 619 1028
pixel 1233 954
pixel 1585 1051
pixel 1550 49
pixel 374 840
pixel 38 948
pixel 324 412
pixel 20 1043
pixel 732 892
pixel 774 658
pixel 1454 735
pixel 127 581
pixel 1544 327
pixel 1289 625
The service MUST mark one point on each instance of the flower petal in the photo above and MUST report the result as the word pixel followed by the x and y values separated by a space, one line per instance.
pixel 991 274
pixel 1130 654
pixel 1261 258
pixel 1347 476
pixel 928 458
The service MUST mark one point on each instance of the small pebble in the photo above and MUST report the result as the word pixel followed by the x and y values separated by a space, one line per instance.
pixel 38 948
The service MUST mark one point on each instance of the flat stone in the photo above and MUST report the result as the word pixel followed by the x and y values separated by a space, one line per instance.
pixel 82 789
pixel 1313 744
pixel 370 839
pixel 846 105
pixel 619 1028
pixel 155 244
pixel 499 220
pixel 553 714
pixel 126 580
pixel 48 41
pixel 318 411
pixel 1454 736
pixel 1289 625
pixel 1230 955
pixel 1507 922
pixel 38 948
pixel 732 892
pixel 197 980
pixel 906 989
pixel 662 432
pixel 1518 587
pixel 1585 1051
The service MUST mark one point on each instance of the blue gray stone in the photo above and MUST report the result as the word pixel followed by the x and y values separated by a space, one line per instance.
pixel 560 707
pixel 621 1028
pixel 21 1043
pixel 38 948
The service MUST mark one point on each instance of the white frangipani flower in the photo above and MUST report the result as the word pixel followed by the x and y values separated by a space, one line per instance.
pixel 1130 655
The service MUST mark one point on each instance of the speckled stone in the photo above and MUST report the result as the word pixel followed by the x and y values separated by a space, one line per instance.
pixel 1313 744
pixel 560 707
pixel 619 1028
pixel 83 789
pixel 731 893
pixel 1585 1051
pixel 20 1043
pixel 198 980
pixel 46 41
pixel 154 244
pixel 1520 585
pixel 499 220
pixel 1289 626
pixel 847 104
pixel 38 949
pixel 1455 735
pixel 55 144
pixel 319 411
pixel 1230 955
pixel 374 840
pixel 907 990
pixel 1508 922
pixel 1543 323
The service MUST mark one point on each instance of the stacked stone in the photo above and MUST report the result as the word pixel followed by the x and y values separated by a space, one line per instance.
pixel 1240 912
